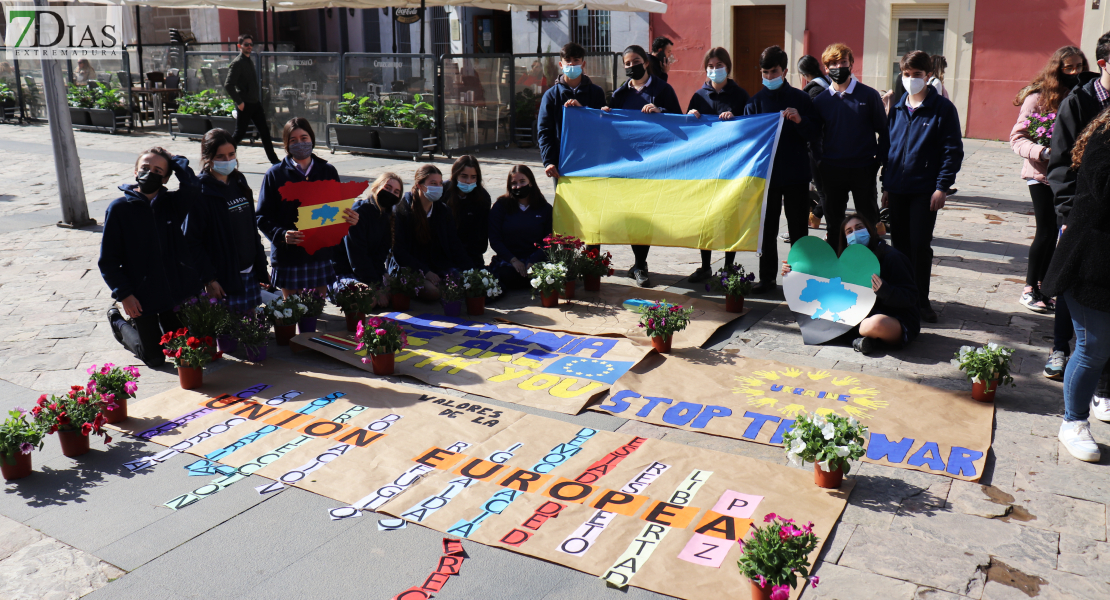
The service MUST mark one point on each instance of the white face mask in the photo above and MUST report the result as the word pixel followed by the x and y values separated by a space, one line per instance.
pixel 913 85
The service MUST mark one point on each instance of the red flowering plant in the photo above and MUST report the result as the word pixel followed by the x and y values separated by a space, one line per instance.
pixel 76 410
pixel 595 264
pixel 663 319
pixel 777 553
pixel 565 249
pixel 186 350
pixel 379 335
pixel 110 379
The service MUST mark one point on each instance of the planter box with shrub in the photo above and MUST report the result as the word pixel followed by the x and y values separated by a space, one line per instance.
pixel 389 126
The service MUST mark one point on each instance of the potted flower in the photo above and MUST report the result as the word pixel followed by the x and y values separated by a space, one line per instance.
pixel 207 318
pixel 662 320
pixel 284 314
pixel 734 283
pixel 74 416
pixel 355 299
pixel 402 285
pixel 548 279
pixel 120 382
pixel 828 442
pixel 253 331
pixel 452 294
pixel 381 338
pixel 18 437
pixel 314 301
pixel 567 250
pixel 189 354
pixel 593 266
pixel 775 555
pixel 479 284
pixel 985 368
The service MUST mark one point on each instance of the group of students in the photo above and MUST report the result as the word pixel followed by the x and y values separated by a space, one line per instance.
pixel 1067 182
pixel 161 247
pixel 837 131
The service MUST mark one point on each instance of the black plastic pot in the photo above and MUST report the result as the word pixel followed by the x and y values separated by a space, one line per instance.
pixel 103 117
pixel 79 116
pixel 192 124
pixel 356 136
pixel 225 123
pixel 402 139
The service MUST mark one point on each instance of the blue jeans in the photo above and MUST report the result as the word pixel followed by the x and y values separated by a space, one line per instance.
pixel 1092 350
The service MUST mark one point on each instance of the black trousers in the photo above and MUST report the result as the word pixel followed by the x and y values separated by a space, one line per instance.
pixel 794 199
pixel 143 335
pixel 912 225
pixel 640 252
pixel 252 113
pixel 707 258
pixel 1044 241
pixel 838 183
pixel 818 210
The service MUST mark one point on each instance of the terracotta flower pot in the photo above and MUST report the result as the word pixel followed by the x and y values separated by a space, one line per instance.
pixel 661 344
pixel 226 344
pixel 383 364
pixel 827 479
pixel 118 415
pixel 190 378
pixel 592 283
pixel 760 592
pixel 353 319
pixel 15 466
pixel 256 355
pixel 452 308
pixel 73 443
pixel 550 300
pixel 734 304
pixel 984 391
pixel 399 301
pixel 307 325
pixel 284 333
pixel 568 289
pixel 476 306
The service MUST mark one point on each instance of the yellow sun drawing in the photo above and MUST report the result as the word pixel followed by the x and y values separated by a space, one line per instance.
pixel 792 392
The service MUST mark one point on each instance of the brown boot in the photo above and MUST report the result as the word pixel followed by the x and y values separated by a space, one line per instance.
pixel 814 221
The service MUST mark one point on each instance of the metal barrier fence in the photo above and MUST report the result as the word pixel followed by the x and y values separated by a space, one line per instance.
pixel 25 78
pixel 299 84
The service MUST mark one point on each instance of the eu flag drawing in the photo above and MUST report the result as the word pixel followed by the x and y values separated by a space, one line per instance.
pixel 605 371
pixel 626 177
pixel 320 209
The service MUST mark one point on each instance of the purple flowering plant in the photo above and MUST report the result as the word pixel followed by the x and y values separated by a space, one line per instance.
pixel 663 319
pixel 1039 127
pixel 731 281
pixel 204 315
pixel 355 297
pixel 406 281
pixel 121 382
pixel 253 330
pixel 313 300
pixel 777 553
pixel 18 434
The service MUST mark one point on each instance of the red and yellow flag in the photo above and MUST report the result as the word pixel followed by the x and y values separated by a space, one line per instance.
pixel 320 212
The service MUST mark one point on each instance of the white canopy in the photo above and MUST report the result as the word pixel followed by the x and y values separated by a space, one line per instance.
pixel 652 6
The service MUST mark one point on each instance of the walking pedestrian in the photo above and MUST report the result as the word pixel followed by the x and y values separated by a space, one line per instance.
pixel 242 86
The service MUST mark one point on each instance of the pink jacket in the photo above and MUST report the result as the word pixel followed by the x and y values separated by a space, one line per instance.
pixel 1032 167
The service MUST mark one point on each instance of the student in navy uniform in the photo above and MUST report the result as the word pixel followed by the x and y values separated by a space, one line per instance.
pixel 143 253
pixel 221 232
pixel 649 94
pixel 518 223
pixel 815 83
pixel 926 152
pixel 424 232
pixel 469 203
pixel 854 142
pixel 571 88
pixel 367 243
pixel 790 175
pixel 295 269
pixel 720 96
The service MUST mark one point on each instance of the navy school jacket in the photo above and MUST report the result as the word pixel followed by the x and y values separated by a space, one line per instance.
pixel 549 129
pixel 441 254
pixel 657 92
pixel 897 297
pixel 792 155
pixel 366 246
pixel 208 231
pixel 275 216
pixel 926 148
pixel 708 101
pixel 471 215
pixel 514 233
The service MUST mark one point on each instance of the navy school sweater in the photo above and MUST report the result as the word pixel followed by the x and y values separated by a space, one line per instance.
pixel 855 132
pixel 443 252
pixel 549 129
pixel 471 215
pixel 657 92
pixel 515 233
pixel 276 216
pixel 220 228
pixel 366 245
pixel 708 101
pixel 791 165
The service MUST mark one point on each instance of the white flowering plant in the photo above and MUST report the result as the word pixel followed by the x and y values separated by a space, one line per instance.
pixel 828 440
pixel 479 283
pixel 986 363
pixel 548 278
pixel 287 311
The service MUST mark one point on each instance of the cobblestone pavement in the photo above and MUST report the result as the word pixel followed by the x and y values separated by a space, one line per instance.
pixel 1035 527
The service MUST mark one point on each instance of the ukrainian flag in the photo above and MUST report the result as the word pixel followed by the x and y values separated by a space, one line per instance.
pixel 664 180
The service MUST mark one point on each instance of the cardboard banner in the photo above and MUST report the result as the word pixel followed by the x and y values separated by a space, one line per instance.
pixel 600 502
pixel 553 371
pixel 828 295
pixel 609 312
pixel 912 426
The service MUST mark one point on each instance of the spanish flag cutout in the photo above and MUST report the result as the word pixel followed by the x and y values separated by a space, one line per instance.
pixel 828 295
pixel 664 180
pixel 320 212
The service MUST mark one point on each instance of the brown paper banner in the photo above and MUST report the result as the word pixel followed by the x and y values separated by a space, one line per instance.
pixel 912 426
pixel 553 371
pixel 605 313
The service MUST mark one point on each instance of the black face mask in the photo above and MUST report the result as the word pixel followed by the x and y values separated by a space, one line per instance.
pixel 840 74
pixel 149 182
pixel 635 72
pixel 521 192
pixel 1069 81
pixel 386 199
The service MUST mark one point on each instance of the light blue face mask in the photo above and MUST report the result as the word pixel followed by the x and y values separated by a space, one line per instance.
pixel 773 84
pixel 860 237
pixel 572 71
pixel 466 188
pixel 434 192
pixel 716 75
pixel 225 167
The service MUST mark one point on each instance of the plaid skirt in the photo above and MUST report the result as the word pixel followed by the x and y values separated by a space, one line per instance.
pixel 250 299
pixel 312 274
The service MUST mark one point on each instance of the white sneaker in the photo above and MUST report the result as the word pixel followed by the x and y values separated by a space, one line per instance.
pixel 1100 408
pixel 1076 437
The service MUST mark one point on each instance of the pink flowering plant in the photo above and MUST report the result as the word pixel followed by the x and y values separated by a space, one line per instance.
pixel 379 335
pixel 76 410
pixel 451 287
pixel 731 281
pixel 121 382
pixel 406 281
pixel 775 554
pixel 663 319
pixel 1039 127
pixel 19 435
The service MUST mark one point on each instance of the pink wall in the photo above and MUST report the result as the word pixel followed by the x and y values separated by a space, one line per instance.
pixel 830 22
pixel 1008 52
pixel 687 24
pixel 229 25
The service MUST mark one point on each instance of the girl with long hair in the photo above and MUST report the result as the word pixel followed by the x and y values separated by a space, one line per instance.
pixel 424 232
pixel 470 203
pixel 367 244
pixel 518 223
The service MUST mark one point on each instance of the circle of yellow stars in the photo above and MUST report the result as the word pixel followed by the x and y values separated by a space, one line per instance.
pixel 757 386
pixel 570 365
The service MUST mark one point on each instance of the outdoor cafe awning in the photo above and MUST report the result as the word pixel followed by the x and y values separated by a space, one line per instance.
pixel 652 6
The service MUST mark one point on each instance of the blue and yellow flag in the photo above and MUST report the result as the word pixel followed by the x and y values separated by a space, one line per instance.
pixel 664 180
